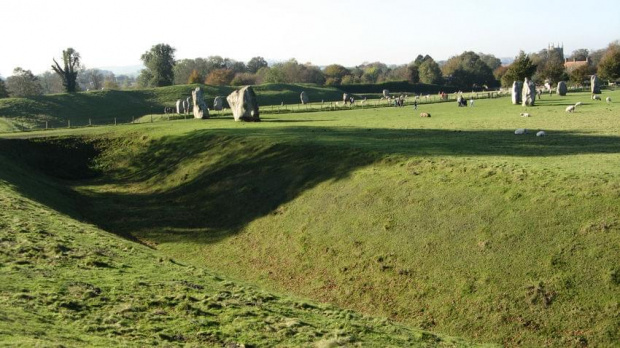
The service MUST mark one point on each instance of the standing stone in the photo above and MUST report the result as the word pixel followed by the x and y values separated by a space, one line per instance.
pixel 244 105
pixel 179 106
pixel 218 103
pixel 517 87
pixel 562 89
pixel 345 98
pixel 386 94
pixel 188 102
pixel 200 107
pixel 528 93
pixel 595 85
pixel 304 97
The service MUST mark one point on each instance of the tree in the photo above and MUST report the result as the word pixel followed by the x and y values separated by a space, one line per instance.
pixel 96 79
pixel 3 91
pixel 430 72
pixel 490 60
pixel 521 68
pixel 110 82
pixel 159 62
pixel 220 77
pixel 580 54
pixel 468 70
pixel 609 66
pixel 194 77
pixel 334 74
pixel 71 61
pixel 23 84
pixel 51 83
pixel 581 74
pixel 244 79
pixel 255 64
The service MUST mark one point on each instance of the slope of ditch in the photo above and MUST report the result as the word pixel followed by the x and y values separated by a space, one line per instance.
pixel 65 281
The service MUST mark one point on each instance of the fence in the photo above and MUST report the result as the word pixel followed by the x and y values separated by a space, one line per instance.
pixel 25 124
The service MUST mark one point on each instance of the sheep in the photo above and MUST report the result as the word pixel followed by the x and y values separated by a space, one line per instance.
pixel 525 114
pixel 425 114
pixel 520 131
pixel 596 97
pixel 570 108
pixel 608 100
pixel 577 104
pixel 541 133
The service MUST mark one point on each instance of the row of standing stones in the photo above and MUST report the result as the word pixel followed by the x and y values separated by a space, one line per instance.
pixel 525 92
pixel 242 103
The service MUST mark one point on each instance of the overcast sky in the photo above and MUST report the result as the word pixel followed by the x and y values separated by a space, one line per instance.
pixel 349 32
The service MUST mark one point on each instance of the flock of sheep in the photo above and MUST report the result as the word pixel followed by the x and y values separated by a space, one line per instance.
pixel 570 108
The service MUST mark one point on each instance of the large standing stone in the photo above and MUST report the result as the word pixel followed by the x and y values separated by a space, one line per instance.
pixel 562 89
pixel 595 85
pixel 218 103
pixel 304 97
pixel 517 87
pixel 243 104
pixel 346 98
pixel 386 94
pixel 179 106
pixel 528 93
pixel 200 107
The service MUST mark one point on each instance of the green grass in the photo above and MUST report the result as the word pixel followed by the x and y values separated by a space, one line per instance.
pixel 450 223
pixel 68 283
pixel 103 107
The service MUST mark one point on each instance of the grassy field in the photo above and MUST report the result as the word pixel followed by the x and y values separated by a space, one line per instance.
pixel 450 223
pixel 106 107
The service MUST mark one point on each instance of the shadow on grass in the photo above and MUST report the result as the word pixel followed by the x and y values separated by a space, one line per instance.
pixel 208 185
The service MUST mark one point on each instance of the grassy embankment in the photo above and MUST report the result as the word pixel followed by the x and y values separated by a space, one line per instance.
pixel 103 107
pixel 68 283
pixel 451 223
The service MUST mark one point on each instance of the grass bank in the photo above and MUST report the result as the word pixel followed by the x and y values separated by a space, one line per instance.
pixel 450 223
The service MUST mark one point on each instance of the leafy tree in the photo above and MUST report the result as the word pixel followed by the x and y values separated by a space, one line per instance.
pixel 244 79
pixel 491 61
pixel 596 56
pixel 499 72
pixel 3 91
pixel 521 68
pixel 23 84
pixel 468 70
pixel 220 77
pixel 609 66
pixel 71 61
pixel 553 70
pixel 194 77
pixel 159 62
pixel 236 67
pixel 581 74
pixel 272 74
pixel 334 74
pixel 256 63
pixel 430 72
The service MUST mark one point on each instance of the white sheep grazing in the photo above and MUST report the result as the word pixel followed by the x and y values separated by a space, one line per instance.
pixel 596 97
pixel 570 108
pixel 578 103
pixel 525 114
pixel 608 100
pixel 521 131
pixel 541 134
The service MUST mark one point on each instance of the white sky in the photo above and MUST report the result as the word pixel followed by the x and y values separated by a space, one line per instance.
pixel 116 33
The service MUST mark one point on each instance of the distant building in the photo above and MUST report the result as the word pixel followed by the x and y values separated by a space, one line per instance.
pixel 559 50
pixel 574 64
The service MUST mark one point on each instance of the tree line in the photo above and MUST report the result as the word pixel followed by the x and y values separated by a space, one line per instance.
pixel 469 70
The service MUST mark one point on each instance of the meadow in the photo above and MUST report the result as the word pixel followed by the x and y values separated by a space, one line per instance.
pixel 452 223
